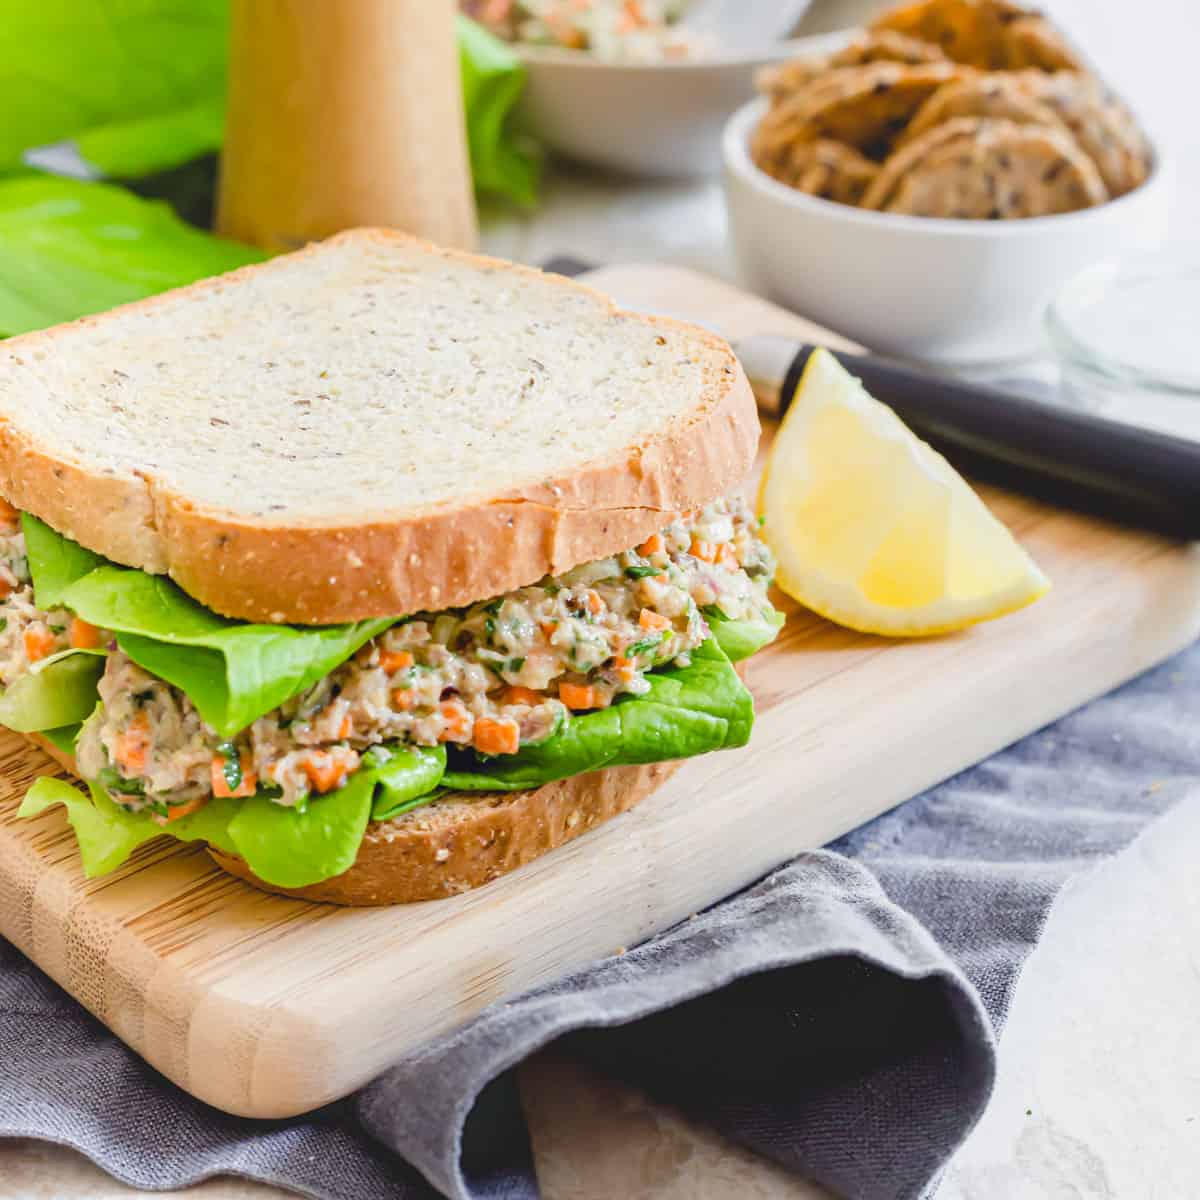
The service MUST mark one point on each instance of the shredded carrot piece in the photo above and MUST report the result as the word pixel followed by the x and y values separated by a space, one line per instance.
pixel 39 642
pixel 177 811
pixel 324 771
pixel 727 556
pixel 133 744
pixel 548 628
pixel 220 785
pixel 706 551
pixel 652 545
pixel 595 603
pixel 624 668
pixel 578 696
pixel 403 698
pixel 456 718
pixel 492 736
pixel 10 518
pixel 520 695
pixel 649 619
pixel 395 660
pixel 346 728
pixel 6 588
pixel 84 635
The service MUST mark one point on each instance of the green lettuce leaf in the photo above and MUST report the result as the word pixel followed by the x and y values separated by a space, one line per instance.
pixel 503 161
pixel 406 779
pixel 64 737
pixel 293 849
pixel 118 76
pixel 688 711
pixel 740 639
pixel 155 142
pixel 290 848
pixel 61 692
pixel 55 562
pixel 139 87
pixel 71 248
pixel 107 834
pixel 232 672
pixel 281 845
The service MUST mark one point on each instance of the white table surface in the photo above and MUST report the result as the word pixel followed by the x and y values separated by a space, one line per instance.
pixel 1099 1089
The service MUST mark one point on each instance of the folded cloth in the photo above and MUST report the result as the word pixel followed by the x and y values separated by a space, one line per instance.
pixel 838 1017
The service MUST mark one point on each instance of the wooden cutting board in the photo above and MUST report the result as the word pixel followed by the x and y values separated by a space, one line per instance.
pixel 269 1007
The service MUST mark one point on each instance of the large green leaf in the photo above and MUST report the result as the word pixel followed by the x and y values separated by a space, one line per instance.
pixel 504 161
pixel 139 87
pixel 134 82
pixel 70 248
pixel 107 834
pixel 740 639
pixel 55 562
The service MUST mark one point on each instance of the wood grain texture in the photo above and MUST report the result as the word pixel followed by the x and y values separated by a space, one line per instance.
pixel 268 1006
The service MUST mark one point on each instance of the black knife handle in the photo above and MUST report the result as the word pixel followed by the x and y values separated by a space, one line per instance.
pixel 1065 455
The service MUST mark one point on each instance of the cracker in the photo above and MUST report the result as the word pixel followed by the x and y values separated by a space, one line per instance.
pixel 881 46
pixel 992 34
pixel 994 94
pixel 900 162
pixel 865 107
pixel 1000 170
pixel 1034 42
pixel 1104 128
pixel 825 168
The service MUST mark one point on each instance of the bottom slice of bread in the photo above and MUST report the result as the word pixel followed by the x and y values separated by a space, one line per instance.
pixel 461 840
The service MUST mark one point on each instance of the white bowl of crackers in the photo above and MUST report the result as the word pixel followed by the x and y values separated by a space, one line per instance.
pixel 927 188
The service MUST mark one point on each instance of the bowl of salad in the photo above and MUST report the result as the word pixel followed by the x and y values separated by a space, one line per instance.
pixel 629 85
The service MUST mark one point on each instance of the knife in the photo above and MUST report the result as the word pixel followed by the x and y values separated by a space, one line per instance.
pixel 1063 455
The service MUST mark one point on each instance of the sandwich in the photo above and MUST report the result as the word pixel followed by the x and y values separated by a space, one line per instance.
pixel 376 569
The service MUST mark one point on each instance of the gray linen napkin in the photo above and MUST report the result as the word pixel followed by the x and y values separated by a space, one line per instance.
pixel 812 1018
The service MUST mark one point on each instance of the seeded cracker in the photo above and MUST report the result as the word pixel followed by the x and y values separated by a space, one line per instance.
pixel 864 107
pixel 1000 170
pixel 992 34
pixel 831 170
pixel 1034 42
pixel 881 46
pixel 1104 128
pixel 995 95
pixel 957 130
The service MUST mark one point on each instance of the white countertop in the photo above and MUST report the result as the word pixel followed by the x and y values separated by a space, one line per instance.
pixel 1099 1089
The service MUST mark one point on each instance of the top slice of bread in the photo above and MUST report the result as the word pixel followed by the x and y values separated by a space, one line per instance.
pixel 370 427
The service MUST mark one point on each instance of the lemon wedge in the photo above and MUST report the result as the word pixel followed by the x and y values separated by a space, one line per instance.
pixel 872 528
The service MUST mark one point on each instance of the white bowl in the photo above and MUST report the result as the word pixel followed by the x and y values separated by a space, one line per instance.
pixel 949 290
pixel 658 119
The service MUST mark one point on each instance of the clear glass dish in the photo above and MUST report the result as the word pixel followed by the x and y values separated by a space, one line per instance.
pixel 1127 338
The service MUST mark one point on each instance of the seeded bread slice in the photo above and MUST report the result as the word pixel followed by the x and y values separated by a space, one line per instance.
pixel 369 427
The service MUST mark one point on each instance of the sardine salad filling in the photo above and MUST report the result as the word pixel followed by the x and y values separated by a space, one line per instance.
pixel 27 633
pixel 494 676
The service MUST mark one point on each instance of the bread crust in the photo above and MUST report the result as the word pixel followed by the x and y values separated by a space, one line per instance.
pixel 465 840
pixel 461 841
pixel 400 563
